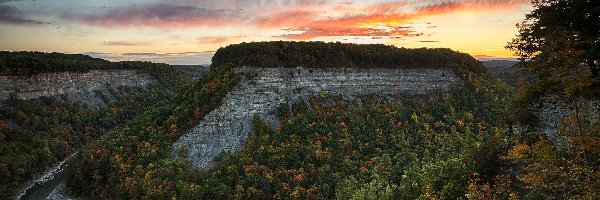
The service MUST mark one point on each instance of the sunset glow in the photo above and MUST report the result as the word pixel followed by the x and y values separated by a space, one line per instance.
pixel 189 31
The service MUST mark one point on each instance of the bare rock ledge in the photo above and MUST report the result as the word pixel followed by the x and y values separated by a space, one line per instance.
pixel 261 90
pixel 76 86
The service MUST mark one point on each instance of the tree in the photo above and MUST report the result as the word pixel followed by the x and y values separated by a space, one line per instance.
pixel 561 39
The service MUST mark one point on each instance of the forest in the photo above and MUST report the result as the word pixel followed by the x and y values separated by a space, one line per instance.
pixel 135 162
pixel 37 133
pixel 26 63
pixel 456 146
pixel 476 142
pixel 445 146
pixel 341 55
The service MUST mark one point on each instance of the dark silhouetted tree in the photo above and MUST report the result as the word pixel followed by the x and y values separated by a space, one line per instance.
pixel 562 40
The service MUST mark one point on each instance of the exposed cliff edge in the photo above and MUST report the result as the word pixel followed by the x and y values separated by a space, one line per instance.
pixel 551 108
pixel 83 87
pixel 261 90
pixel 95 88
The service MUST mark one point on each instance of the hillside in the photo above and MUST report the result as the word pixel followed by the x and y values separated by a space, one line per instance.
pixel 25 63
pixel 260 91
pixel 341 55
pixel 268 122
pixel 195 71
pixel 56 109
pixel 93 88
pixel 308 154
pixel 509 72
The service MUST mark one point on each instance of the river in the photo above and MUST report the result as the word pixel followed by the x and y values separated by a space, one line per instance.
pixel 49 186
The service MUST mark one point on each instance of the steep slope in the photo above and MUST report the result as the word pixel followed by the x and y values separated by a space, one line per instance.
pixel 551 108
pixel 261 91
pixel 92 88
pixel 136 161
pixel 52 104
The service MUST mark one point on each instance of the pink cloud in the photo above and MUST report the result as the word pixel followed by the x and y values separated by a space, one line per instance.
pixel 162 16
pixel 218 39
pixel 315 18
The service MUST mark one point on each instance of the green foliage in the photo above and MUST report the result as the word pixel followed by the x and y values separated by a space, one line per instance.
pixel 35 134
pixel 170 76
pixel 560 39
pixel 26 63
pixel 406 149
pixel 566 170
pixel 342 55
pixel 391 149
pixel 134 161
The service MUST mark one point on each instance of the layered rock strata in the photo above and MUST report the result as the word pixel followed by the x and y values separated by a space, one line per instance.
pixel 260 92
pixel 77 86
pixel 551 108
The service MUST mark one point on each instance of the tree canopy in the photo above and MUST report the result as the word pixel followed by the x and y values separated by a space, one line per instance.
pixel 561 41
pixel 342 55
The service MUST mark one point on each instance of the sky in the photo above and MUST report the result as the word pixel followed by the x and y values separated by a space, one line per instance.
pixel 190 31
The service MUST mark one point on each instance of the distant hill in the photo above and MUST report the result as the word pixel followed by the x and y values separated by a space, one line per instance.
pixel 23 63
pixel 27 63
pixel 498 67
pixel 506 70
pixel 195 71
pixel 341 55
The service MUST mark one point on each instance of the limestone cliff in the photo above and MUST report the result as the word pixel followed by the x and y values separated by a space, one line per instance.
pixel 261 90
pixel 551 108
pixel 77 86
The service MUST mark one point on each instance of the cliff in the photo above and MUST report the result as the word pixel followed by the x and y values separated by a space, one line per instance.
pixel 261 90
pixel 85 87
pixel 551 108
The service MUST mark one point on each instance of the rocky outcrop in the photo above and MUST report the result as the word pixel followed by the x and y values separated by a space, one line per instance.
pixel 551 108
pixel 77 86
pixel 261 90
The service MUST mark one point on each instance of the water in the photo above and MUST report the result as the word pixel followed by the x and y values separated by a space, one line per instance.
pixel 42 187
pixel 43 190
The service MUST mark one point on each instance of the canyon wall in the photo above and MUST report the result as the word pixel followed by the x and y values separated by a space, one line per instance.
pixel 76 86
pixel 551 108
pixel 261 90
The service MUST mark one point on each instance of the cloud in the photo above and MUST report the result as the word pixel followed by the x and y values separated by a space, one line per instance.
pixel 287 18
pixel 123 43
pixel 428 41
pixel 383 19
pixel 335 31
pixel 174 58
pixel 10 15
pixel 483 56
pixel 217 39
pixel 300 19
pixel 446 6
pixel 189 13
pixel 160 16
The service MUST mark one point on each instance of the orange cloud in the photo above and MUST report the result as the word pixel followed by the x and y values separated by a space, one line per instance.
pixel 320 32
pixel 384 19
pixel 470 5
pixel 283 19
pixel 481 56
pixel 218 39
pixel 213 40
pixel 313 18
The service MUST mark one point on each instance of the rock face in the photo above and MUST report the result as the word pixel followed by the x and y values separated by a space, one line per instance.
pixel 551 108
pixel 260 91
pixel 76 86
